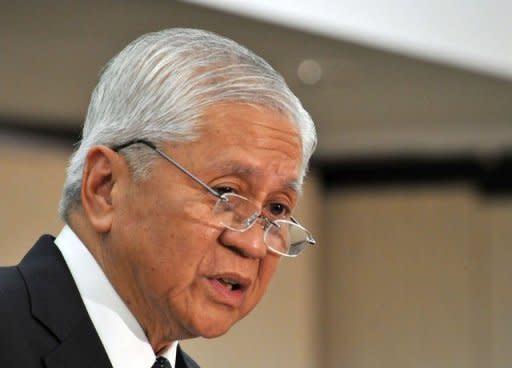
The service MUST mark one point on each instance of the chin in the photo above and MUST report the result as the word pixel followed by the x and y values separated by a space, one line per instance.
pixel 215 330
pixel 210 328
pixel 214 335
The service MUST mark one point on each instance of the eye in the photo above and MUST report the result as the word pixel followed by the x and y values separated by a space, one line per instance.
pixel 278 210
pixel 224 189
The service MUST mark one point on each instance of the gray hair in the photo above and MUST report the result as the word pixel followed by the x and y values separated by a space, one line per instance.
pixel 158 87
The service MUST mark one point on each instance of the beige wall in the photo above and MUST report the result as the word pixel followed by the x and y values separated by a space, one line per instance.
pixel 498 218
pixel 417 278
pixel 402 277
pixel 30 186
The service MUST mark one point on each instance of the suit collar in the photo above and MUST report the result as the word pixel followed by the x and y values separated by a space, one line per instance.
pixel 183 360
pixel 121 334
pixel 56 304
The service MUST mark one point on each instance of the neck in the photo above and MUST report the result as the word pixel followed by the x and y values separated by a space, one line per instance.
pixel 124 281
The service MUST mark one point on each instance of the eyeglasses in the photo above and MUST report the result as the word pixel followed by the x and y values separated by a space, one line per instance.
pixel 284 236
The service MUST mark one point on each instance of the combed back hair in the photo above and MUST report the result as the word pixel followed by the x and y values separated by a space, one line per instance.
pixel 158 87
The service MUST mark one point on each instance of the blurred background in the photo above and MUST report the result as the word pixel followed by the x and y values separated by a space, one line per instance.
pixel 410 188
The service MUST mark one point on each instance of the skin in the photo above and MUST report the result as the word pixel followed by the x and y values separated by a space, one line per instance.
pixel 155 239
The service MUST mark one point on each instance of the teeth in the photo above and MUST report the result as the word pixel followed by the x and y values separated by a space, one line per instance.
pixel 228 283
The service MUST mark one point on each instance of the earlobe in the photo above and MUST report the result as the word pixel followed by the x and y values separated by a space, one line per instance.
pixel 98 183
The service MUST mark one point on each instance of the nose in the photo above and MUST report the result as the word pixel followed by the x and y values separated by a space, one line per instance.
pixel 248 244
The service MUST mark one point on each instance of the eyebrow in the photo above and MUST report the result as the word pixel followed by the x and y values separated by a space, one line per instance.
pixel 242 170
pixel 295 186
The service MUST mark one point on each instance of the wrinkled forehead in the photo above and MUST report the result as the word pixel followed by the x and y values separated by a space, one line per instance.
pixel 258 122
pixel 267 140
pixel 250 113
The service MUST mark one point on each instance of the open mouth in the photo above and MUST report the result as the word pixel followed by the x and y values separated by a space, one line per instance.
pixel 230 284
pixel 231 288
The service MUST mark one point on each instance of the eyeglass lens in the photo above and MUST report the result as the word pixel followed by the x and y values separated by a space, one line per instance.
pixel 239 214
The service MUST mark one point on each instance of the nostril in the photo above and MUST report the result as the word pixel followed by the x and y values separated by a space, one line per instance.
pixel 237 250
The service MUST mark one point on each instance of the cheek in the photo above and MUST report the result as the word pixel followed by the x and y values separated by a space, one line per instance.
pixel 170 238
pixel 177 260
pixel 173 224
pixel 187 248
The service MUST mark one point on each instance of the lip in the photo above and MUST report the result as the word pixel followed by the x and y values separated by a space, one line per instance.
pixel 223 294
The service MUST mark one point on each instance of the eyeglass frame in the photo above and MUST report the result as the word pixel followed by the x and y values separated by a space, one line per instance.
pixel 268 222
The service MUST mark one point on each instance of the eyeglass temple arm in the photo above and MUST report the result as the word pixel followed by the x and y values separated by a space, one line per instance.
pixel 171 160
pixel 151 145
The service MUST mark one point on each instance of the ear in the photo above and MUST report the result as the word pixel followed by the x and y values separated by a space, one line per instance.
pixel 101 170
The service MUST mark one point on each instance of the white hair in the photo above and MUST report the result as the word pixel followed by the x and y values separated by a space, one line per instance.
pixel 158 87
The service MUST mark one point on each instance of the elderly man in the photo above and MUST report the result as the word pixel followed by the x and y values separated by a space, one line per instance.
pixel 178 206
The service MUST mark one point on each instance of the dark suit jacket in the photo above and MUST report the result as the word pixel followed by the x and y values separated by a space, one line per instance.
pixel 43 321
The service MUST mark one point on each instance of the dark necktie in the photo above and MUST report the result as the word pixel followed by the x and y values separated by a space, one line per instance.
pixel 161 362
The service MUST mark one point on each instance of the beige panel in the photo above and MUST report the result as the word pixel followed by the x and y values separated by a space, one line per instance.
pixel 499 219
pixel 31 182
pixel 408 280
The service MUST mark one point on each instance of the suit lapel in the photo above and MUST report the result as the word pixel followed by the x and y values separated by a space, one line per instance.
pixel 76 350
pixel 183 360
pixel 56 304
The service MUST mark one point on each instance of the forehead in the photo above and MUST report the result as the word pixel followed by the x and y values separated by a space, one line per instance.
pixel 248 120
pixel 250 141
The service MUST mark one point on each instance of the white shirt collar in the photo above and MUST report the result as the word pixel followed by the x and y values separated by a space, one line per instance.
pixel 123 338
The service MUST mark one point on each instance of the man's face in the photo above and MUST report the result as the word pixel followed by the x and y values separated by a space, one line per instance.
pixel 169 262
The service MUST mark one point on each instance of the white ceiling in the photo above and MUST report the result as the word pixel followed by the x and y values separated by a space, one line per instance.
pixel 368 101
pixel 471 34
